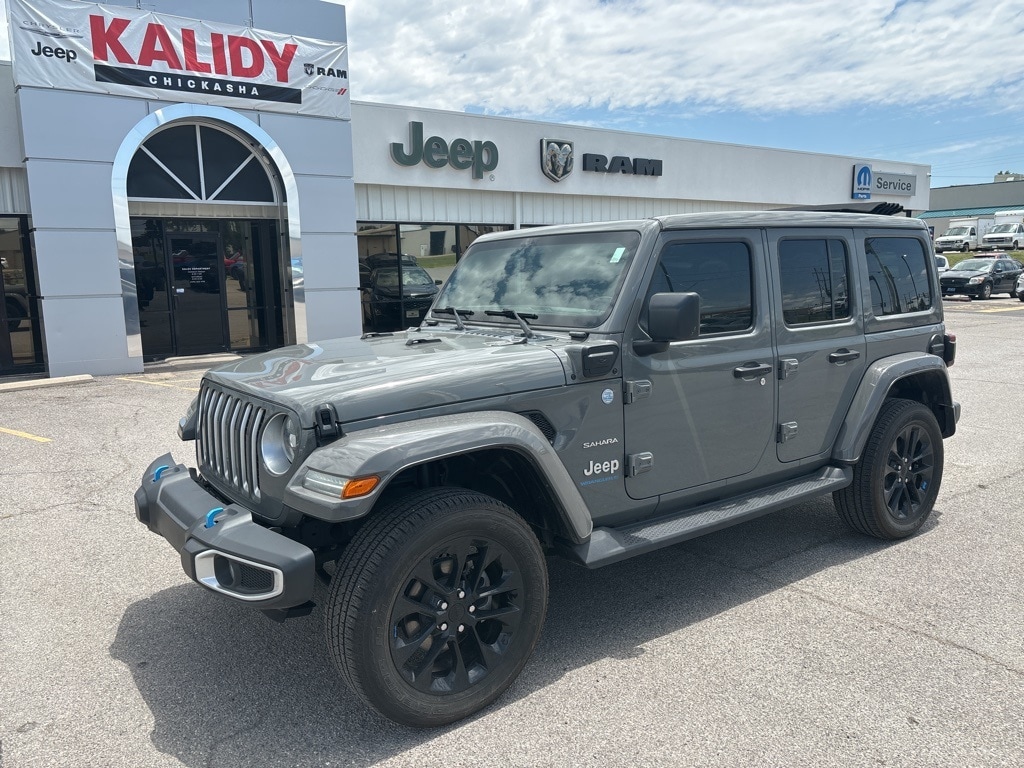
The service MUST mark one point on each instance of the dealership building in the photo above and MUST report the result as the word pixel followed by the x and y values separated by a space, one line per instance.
pixel 192 178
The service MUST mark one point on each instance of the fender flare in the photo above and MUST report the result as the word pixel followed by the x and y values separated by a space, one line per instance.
pixel 875 386
pixel 389 449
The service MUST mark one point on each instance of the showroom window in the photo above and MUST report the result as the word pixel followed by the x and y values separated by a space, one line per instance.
pixel 199 163
pixel 402 266
pixel 20 339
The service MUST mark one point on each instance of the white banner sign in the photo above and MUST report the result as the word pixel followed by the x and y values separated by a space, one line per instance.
pixel 113 49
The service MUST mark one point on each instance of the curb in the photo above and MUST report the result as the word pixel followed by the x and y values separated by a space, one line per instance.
pixel 14 386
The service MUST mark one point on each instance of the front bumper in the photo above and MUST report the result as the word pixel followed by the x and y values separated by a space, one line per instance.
pixel 221 547
pixel 961 290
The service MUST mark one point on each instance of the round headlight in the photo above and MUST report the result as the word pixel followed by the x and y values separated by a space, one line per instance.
pixel 291 435
pixel 280 443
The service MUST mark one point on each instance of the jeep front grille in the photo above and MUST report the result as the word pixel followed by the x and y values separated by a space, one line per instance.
pixel 228 435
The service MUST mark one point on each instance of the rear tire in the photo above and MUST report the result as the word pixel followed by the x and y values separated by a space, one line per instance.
pixel 897 479
pixel 436 606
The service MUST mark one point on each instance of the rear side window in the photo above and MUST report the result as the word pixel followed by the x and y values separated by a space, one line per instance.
pixel 898 275
pixel 814 278
pixel 720 272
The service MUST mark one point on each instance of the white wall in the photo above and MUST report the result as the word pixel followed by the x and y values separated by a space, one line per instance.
pixel 696 174
pixel 10 132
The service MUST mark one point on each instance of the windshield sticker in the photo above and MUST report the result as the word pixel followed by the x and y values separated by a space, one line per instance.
pixel 617 256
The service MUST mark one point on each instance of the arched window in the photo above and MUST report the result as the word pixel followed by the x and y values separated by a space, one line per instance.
pixel 199 163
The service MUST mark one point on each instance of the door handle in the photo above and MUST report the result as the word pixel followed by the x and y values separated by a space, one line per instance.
pixel 843 357
pixel 752 370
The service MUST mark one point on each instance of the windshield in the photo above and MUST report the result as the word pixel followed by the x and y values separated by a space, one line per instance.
pixel 387 277
pixel 974 265
pixel 953 231
pixel 567 280
pixel 1000 228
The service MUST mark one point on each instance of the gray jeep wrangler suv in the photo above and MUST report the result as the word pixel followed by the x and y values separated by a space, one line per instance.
pixel 592 392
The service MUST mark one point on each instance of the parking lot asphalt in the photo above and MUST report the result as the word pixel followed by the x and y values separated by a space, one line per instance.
pixel 786 641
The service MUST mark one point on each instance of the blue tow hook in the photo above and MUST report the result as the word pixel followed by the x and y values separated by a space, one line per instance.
pixel 159 471
pixel 211 516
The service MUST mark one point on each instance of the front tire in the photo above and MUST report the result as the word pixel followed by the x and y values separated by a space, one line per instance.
pixel 897 479
pixel 436 606
pixel 986 292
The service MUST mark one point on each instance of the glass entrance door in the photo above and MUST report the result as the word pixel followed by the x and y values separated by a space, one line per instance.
pixel 20 344
pixel 198 290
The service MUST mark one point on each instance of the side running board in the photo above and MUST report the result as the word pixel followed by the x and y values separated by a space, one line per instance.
pixel 610 545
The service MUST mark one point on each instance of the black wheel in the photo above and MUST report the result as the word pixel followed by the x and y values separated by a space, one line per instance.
pixel 436 606
pixel 897 479
pixel 965 248
pixel 986 291
pixel 1020 296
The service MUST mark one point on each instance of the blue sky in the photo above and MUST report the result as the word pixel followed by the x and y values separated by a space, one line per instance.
pixel 939 82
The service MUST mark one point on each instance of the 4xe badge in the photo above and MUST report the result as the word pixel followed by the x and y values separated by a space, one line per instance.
pixel 556 158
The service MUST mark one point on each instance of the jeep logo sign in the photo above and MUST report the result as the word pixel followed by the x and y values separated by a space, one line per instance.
pixel 435 152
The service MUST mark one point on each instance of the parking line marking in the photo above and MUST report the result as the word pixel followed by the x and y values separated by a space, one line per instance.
pixel 157 384
pixel 26 435
pixel 1002 309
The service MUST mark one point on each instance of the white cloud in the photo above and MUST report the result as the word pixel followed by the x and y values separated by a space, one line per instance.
pixel 545 57
pixel 534 57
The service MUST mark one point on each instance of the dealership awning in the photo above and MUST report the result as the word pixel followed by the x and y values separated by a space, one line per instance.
pixel 950 213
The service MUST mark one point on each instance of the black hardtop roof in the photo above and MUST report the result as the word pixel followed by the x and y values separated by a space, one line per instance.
pixel 726 220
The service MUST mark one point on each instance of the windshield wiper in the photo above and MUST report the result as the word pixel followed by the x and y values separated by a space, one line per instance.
pixel 456 313
pixel 511 314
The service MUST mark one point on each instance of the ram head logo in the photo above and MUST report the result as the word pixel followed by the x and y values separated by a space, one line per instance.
pixel 556 158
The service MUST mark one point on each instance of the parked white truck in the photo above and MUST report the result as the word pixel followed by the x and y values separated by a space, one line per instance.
pixel 964 234
pixel 1007 234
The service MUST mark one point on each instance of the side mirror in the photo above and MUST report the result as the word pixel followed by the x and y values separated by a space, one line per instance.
pixel 670 317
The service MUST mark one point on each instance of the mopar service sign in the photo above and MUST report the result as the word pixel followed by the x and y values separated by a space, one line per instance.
pixel 866 181
pixel 895 184
pixel 117 50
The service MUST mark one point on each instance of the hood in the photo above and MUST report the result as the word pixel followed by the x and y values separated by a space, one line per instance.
pixel 954 272
pixel 366 378
pixel 407 292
